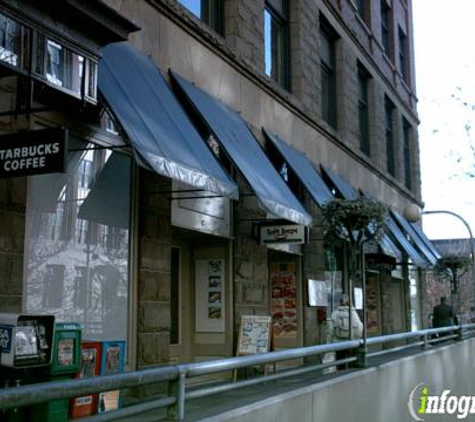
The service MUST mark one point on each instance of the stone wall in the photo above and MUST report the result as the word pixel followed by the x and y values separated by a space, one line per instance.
pixel 244 27
pixel 251 272
pixel 12 238
pixel 155 238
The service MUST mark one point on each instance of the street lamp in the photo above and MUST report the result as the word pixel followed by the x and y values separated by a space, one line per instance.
pixel 413 213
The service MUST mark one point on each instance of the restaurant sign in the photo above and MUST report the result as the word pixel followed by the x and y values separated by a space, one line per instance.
pixel 289 233
pixel 28 153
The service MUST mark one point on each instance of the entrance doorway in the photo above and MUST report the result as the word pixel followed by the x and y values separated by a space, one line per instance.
pixel 201 297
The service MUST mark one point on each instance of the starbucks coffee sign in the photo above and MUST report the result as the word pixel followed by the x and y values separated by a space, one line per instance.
pixel 34 152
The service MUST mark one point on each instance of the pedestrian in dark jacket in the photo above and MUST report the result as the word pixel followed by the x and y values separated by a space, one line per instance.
pixel 443 315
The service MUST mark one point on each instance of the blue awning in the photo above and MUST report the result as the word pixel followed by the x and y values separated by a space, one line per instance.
pixel 427 242
pixel 246 153
pixel 108 201
pixel 304 170
pixel 401 239
pixel 345 190
pixel 161 133
pixel 404 224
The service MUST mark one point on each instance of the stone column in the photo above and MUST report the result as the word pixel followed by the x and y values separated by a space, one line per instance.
pixel 12 239
pixel 155 236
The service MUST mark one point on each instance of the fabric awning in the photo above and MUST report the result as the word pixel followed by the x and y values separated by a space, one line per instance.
pixel 108 200
pixel 244 150
pixel 401 239
pixel 347 191
pixel 406 226
pixel 304 170
pixel 343 187
pixel 427 242
pixel 162 136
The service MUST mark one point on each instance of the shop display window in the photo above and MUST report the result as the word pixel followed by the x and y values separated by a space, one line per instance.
pixel 77 242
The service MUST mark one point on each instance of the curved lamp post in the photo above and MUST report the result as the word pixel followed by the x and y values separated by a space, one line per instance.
pixel 413 213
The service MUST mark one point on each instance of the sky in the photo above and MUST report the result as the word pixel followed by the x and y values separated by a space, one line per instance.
pixel 444 38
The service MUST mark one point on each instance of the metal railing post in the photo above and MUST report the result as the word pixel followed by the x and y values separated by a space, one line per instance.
pixel 176 411
pixel 459 333
pixel 426 341
pixel 361 356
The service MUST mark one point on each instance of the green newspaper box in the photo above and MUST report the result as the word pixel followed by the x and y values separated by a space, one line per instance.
pixel 65 363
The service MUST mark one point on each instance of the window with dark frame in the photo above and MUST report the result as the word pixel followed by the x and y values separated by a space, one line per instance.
pixel 402 54
pixel 406 133
pixel 363 113
pixel 53 63
pixel 389 120
pixel 386 15
pixel 276 42
pixel 209 11
pixel 328 74
pixel 9 40
pixel 363 10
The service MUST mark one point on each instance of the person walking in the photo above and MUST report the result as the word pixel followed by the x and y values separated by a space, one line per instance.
pixel 443 315
pixel 340 326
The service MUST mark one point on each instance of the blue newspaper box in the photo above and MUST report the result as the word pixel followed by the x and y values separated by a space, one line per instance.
pixel 112 362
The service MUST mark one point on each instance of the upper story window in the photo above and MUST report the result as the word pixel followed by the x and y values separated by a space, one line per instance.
pixel 276 42
pixel 209 11
pixel 363 8
pixel 403 54
pixel 14 39
pixel 386 27
pixel 65 69
pixel 389 120
pixel 50 61
pixel 328 39
pixel 363 112
pixel 406 135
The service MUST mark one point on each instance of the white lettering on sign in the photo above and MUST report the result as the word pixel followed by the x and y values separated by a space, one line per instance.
pixel 5 338
pixel 31 157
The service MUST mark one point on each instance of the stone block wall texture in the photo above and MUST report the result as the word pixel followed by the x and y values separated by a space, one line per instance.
pixel 244 28
pixel 251 273
pixel 12 238
pixel 155 237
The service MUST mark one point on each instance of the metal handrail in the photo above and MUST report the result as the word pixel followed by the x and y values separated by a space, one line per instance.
pixel 176 375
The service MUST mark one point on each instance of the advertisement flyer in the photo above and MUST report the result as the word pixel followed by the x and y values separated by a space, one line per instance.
pixel 254 334
pixel 283 300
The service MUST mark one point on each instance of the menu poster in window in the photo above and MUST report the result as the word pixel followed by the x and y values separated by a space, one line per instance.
pixel 317 293
pixel 254 334
pixel 283 300
pixel 209 295
pixel 358 298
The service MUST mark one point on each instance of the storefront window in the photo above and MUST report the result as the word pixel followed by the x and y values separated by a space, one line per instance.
pixel 77 242
pixel 334 277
